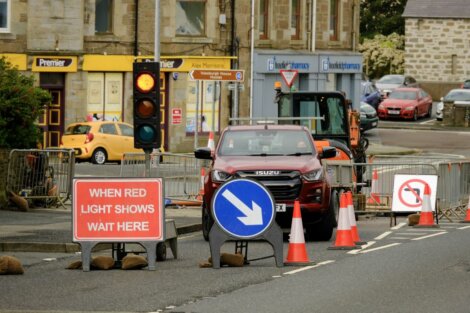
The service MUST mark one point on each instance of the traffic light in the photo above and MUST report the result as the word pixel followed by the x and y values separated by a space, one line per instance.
pixel 147 133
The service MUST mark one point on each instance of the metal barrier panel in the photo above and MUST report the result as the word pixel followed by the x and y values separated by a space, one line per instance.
pixel 376 193
pixel 42 176
pixel 181 172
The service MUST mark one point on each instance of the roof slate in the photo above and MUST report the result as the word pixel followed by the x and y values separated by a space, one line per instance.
pixel 437 9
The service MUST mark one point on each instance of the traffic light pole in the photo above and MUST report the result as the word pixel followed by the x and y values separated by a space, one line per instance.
pixel 156 59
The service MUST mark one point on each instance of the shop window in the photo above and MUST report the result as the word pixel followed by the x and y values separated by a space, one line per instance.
pixel 5 16
pixel 263 21
pixel 334 19
pixel 104 16
pixel 104 100
pixel 202 106
pixel 295 19
pixel 190 17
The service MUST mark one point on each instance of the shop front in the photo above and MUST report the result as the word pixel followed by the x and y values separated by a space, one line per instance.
pixel 325 71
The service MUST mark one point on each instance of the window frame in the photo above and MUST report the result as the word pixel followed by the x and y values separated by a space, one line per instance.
pixel 297 15
pixel 333 23
pixel 6 29
pixel 110 16
pixel 204 26
pixel 265 13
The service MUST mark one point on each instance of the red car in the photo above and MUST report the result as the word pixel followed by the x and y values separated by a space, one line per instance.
pixel 285 160
pixel 406 103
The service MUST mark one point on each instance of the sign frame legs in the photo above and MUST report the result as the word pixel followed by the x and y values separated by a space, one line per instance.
pixel 273 235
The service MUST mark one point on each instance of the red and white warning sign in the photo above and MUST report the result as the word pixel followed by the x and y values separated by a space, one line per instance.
pixel 176 116
pixel 408 191
pixel 289 76
pixel 109 209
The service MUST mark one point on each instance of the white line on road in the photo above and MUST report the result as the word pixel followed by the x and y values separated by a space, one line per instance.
pixel 367 245
pixel 308 267
pixel 382 236
pixel 465 227
pixel 398 226
pixel 380 248
pixel 429 236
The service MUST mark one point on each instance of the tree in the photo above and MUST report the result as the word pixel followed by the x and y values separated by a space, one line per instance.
pixel 382 17
pixel 383 55
pixel 21 104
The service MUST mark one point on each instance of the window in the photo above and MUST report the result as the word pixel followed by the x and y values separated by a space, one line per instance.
pixel 5 16
pixel 263 19
pixel 104 99
pixel 295 19
pixel 202 106
pixel 190 17
pixel 334 19
pixel 108 129
pixel 126 130
pixel 104 16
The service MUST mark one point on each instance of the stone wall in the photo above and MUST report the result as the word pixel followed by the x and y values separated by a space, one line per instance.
pixel 437 53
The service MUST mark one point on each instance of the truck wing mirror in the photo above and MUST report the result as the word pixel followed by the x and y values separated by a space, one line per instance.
pixel 328 152
pixel 203 153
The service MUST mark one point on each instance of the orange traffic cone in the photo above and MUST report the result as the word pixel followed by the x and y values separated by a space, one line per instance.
pixel 210 143
pixel 344 239
pixel 352 220
pixel 467 218
pixel 297 253
pixel 426 218
pixel 201 190
pixel 374 197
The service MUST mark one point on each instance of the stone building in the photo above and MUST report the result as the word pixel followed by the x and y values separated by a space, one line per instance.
pixel 436 43
pixel 82 51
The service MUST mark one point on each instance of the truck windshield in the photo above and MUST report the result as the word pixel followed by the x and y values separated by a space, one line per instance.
pixel 328 106
pixel 266 142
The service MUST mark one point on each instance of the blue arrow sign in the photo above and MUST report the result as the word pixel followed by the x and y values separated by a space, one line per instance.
pixel 243 208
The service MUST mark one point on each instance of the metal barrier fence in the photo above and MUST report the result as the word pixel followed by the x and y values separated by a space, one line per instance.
pixel 181 173
pixel 453 182
pixel 44 177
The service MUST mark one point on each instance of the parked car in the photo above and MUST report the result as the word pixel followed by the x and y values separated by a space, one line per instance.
pixel 389 82
pixel 369 118
pixel 99 141
pixel 406 103
pixel 370 94
pixel 454 95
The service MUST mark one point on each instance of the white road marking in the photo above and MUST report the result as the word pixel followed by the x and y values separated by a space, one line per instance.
pixel 398 226
pixel 429 236
pixel 356 251
pixel 380 248
pixel 382 236
pixel 465 227
pixel 308 267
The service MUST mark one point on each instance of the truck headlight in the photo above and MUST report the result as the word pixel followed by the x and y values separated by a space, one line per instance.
pixel 220 176
pixel 313 175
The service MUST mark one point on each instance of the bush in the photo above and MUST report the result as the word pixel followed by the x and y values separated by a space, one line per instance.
pixel 21 104
pixel 383 55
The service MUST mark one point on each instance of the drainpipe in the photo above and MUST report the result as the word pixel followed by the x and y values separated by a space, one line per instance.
pixel 252 53
pixel 314 21
pixel 136 28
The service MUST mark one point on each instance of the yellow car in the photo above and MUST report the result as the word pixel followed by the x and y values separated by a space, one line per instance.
pixel 99 142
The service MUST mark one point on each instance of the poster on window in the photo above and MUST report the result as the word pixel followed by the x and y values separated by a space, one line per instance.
pixel 208 108
pixel 104 96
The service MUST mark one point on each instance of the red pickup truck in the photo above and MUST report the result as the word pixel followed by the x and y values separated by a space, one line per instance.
pixel 284 159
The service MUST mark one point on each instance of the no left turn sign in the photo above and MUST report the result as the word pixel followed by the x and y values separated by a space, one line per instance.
pixel 408 192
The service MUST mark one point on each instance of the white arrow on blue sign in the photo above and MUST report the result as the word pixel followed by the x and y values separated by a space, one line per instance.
pixel 243 208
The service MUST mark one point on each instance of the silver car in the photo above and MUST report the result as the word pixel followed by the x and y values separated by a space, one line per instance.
pixel 389 82
pixel 455 95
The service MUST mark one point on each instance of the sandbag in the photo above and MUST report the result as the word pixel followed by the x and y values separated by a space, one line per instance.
pixel 102 262
pixel 10 265
pixel 133 262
